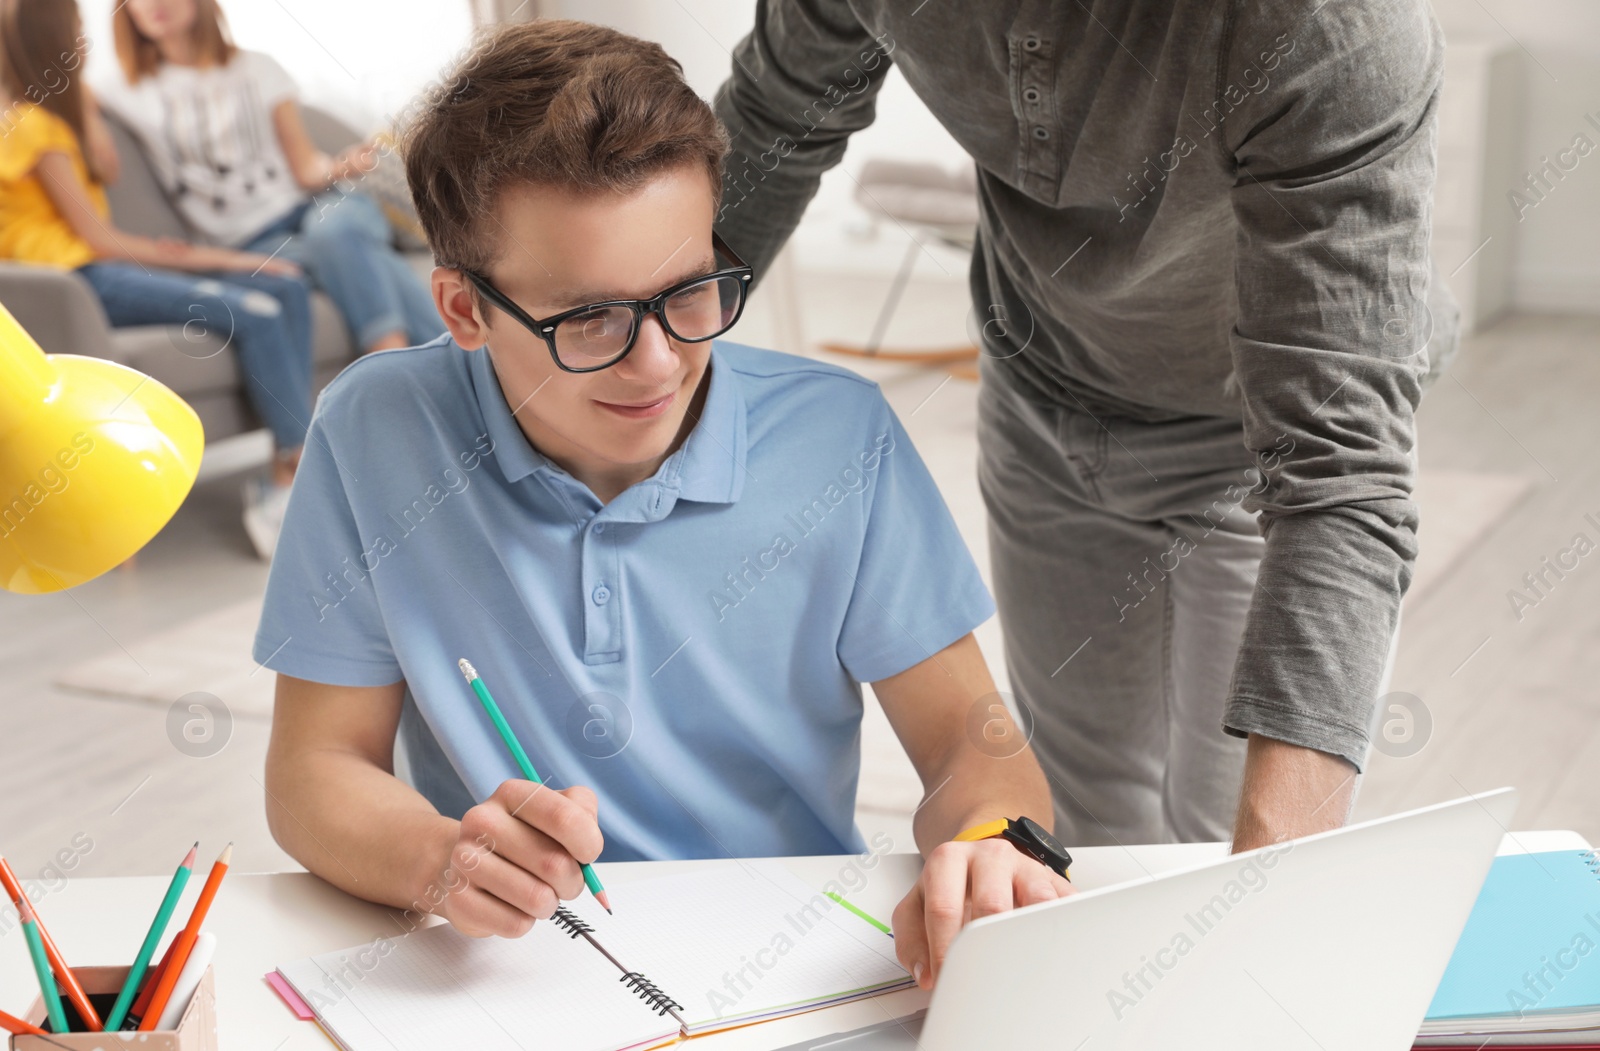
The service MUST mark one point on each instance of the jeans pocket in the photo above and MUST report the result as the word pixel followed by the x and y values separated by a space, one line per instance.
pixel 1083 441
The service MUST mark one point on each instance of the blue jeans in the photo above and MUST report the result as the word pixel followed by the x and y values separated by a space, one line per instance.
pixel 342 241
pixel 265 319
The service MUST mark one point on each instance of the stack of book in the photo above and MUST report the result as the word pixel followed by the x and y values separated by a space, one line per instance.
pixel 1526 972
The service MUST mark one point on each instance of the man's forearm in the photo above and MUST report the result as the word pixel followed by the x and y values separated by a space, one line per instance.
pixel 358 827
pixel 800 84
pixel 1290 791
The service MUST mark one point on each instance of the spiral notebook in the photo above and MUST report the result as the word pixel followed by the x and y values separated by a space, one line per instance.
pixel 686 954
pixel 1528 961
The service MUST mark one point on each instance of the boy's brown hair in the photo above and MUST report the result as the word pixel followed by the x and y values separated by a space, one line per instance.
pixel 554 102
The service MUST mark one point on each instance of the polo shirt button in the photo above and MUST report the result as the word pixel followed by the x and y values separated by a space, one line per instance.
pixel 599 527
pixel 601 595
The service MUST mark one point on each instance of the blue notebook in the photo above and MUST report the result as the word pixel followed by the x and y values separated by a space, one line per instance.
pixel 1529 957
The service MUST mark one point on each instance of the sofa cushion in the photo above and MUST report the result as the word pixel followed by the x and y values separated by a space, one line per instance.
pixel 197 364
pixel 138 204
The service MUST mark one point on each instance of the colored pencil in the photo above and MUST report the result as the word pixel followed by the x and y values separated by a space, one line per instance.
pixel 58 964
pixel 41 966
pixel 523 762
pixel 180 879
pixel 16 1025
pixel 147 988
pixel 184 944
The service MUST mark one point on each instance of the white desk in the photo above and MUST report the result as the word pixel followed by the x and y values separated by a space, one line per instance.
pixel 264 920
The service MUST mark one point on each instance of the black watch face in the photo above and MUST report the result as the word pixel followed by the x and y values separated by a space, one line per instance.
pixel 1040 836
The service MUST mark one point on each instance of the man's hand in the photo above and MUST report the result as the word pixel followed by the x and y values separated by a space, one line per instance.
pixel 1290 791
pixel 961 882
pixel 516 858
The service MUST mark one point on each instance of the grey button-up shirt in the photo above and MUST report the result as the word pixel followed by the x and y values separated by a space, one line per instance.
pixel 1196 207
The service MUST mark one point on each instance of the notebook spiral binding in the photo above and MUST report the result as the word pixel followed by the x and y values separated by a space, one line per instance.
pixel 569 922
pixel 1592 859
pixel 659 1001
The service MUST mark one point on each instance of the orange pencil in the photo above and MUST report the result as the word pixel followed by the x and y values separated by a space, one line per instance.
pixel 148 989
pixel 17 1025
pixel 183 944
pixel 58 963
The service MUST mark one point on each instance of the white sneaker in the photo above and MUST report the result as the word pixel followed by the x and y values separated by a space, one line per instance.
pixel 264 506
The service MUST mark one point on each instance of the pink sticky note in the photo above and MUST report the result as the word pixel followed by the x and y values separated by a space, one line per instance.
pixel 289 996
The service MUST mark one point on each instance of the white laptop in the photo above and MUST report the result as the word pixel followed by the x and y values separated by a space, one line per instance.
pixel 1333 942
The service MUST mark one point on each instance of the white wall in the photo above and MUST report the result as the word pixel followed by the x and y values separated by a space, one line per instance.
pixel 1556 260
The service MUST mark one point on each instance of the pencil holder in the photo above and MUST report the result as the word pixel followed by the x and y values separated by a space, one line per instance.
pixel 197 1029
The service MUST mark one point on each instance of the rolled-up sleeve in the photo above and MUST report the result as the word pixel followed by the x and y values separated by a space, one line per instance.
pixel 1334 166
pixel 802 81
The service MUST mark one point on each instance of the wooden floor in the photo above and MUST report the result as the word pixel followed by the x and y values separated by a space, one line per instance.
pixel 1511 701
pixel 1514 700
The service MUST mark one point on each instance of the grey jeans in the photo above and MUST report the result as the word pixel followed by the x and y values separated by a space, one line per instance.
pixel 1123 568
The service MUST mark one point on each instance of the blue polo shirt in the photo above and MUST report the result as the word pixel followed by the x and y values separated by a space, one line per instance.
pixel 692 651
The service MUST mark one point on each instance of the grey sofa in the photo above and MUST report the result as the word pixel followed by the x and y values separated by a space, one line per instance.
pixel 62 313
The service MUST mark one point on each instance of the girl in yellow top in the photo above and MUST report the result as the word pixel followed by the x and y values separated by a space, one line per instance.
pixel 53 213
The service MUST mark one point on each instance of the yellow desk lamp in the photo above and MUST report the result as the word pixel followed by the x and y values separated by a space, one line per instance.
pixel 95 457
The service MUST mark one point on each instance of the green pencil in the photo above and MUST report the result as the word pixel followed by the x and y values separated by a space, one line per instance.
pixel 130 988
pixel 523 763
pixel 41 963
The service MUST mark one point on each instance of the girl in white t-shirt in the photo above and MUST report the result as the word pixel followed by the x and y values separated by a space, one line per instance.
pixel 224 133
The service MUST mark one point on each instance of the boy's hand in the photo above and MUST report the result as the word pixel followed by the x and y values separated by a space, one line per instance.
pixel 516 858
pixel 961 882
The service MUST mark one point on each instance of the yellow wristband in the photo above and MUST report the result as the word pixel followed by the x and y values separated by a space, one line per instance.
pixel 987 830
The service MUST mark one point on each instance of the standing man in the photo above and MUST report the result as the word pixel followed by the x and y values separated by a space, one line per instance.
pixel 1203 285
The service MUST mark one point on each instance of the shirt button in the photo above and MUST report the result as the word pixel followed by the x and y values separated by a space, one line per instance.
pixel 1032 43
pixel 599 527
pixel 1041 132
pixel 601 595
pixel 1030 95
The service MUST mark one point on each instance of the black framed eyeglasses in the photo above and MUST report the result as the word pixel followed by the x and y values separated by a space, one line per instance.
pixel 597 336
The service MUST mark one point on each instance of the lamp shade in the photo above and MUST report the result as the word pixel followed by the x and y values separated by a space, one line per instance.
pixel 94 459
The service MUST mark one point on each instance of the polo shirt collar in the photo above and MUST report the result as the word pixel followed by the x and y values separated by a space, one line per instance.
pixel 712 459
pixel 709 467
pixel 513 453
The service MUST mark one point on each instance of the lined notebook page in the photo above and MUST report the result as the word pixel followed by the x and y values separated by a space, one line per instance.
pixel 438 988
pixel 743 941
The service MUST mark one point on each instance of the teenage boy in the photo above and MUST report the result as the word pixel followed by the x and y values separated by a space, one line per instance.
pixel 674 561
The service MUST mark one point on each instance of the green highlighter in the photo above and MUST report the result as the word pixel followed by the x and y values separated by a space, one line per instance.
pixel 141 963
pixel 523 762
